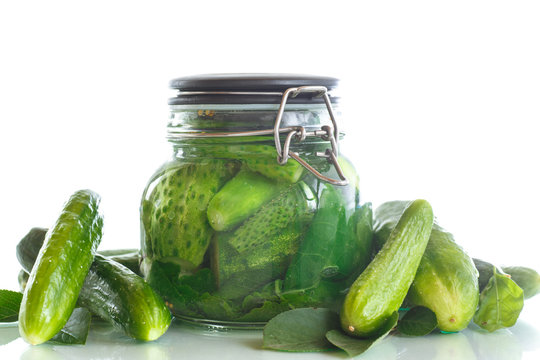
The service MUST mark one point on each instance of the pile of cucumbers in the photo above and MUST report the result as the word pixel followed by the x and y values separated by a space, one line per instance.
pixel 65 272
pixel 294 243
pixel 418 264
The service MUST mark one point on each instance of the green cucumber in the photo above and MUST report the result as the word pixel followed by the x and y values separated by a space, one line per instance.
pixel 526 278
pixel 379 291
pixel 61 267
pixel 239 198
pixel 116 294
pixel 130 259
pixel 446 281
pixel 294 207
pixel 177 225
pixel 111 290
pixel 29 246
pixel 261 248
pixel 261 158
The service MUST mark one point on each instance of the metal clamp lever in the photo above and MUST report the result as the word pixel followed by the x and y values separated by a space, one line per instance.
pixel 326 133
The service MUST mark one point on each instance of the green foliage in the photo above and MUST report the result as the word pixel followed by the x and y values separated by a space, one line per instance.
pixel 354 346
pixel 10 303
pixel 300 330
pixel 500 304
pixel 418 321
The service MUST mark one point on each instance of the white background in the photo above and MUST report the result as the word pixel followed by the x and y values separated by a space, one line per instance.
pixel 443 103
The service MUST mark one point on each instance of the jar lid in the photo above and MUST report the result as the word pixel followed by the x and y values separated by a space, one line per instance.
pixel 247 88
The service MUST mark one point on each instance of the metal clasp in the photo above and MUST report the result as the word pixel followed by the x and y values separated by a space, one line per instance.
pixel 328 133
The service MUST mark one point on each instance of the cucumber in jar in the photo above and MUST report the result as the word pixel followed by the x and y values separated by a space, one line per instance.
pixel 262 247
pixel 260 158
pixel 174 212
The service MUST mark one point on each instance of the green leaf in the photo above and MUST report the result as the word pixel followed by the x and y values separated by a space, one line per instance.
pixel 76 329
pixel 500 304
pixel 355 346
pixel 215 307
pixel 300 330
pixel 267 311
pixel 10 302
pixel 418 321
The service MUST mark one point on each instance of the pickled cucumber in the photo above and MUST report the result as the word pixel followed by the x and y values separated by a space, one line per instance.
pixel 446 281
pixel 375 297
pixel 261 158
pixel 177 225
pixel 263 245
pixel 239 198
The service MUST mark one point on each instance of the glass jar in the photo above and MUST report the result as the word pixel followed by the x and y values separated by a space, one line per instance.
pixel 256 212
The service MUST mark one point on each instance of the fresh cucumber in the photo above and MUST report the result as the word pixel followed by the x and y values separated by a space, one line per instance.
pixel 378 292
pixel 174 213
pixel 446 281
pixel 130 259
pixel 116 294
pixel 239 198
pixel 61 267
pixel 29 246
pixel 112 291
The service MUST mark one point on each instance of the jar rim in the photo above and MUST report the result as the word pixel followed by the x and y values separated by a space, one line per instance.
pixel 248 88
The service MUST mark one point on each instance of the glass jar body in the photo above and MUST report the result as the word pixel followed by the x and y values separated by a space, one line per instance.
pixel 231 238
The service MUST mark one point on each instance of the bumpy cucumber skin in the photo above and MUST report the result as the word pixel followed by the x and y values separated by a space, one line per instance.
pixel 264 243
pixel 116 294
pixel 294 205
pixel 526 278
pixel 239 198
pixel 380 290
pixel 174 215
pixel 446 281
pixel 61 267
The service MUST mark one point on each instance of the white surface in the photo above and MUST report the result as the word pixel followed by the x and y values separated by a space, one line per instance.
pixel 186 342
pixel 443 104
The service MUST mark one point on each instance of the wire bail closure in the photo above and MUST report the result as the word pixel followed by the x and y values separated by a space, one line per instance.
pixel 299 133
pixel 327 133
